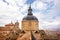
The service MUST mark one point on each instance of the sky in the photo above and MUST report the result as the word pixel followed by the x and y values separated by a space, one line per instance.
pixel 47 12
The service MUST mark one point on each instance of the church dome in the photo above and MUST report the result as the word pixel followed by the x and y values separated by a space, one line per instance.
pixel 30 15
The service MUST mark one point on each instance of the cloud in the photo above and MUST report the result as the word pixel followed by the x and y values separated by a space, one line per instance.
pixel 47 12
pixel 6 2
pixel 11 12
pixel 43 6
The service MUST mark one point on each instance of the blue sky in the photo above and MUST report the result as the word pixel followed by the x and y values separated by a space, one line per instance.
pixel 29 1
pixel 47 12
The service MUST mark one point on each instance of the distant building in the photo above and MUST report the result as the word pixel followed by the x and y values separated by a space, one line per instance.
pixel 29 30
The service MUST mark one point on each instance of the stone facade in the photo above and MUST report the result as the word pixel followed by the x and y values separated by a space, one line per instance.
pixel 30 25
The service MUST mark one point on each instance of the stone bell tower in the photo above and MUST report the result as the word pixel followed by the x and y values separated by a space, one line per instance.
pixel 30 22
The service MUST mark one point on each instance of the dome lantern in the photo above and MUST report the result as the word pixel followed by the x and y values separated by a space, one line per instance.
pixel 30 11
pixel 30 15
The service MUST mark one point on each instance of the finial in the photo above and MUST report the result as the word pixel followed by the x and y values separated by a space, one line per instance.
pixel 30 6
pixel 30 10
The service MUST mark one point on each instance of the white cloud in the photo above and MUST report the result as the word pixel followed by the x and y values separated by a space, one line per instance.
pixel 11 12
pixel 49 20
pixel 39 5
pixel 17 9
